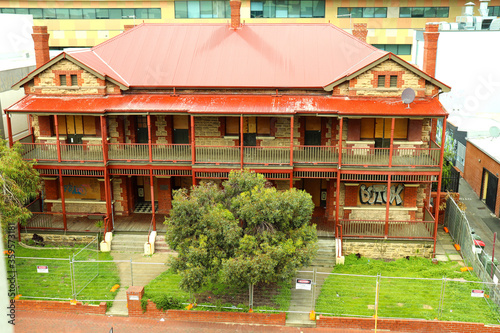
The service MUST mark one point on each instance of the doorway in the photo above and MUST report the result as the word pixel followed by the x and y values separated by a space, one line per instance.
pixel 489 188
pixel 142 129
pixel 143 194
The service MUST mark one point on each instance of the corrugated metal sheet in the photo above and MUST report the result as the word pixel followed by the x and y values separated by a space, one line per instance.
pixel 229 104
pixel 213 55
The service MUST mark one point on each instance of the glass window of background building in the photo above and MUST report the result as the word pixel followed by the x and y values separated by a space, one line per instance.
pixel 367 12
pixel 287 8
pixel 399 49
pixel 202 9
pixel 424 11
pixel 86 13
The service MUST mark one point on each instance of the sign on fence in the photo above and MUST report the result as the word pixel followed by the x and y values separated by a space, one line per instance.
pixel 303 284
pixel 477 293
pixel 42 269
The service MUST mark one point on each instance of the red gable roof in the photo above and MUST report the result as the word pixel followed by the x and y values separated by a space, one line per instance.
pixel 228 104
pixel 213 55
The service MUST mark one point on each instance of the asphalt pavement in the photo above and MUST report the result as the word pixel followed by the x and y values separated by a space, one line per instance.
pixel 480 218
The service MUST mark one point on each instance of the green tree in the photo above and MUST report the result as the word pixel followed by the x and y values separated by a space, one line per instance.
pixel 19 182
pixel 245 233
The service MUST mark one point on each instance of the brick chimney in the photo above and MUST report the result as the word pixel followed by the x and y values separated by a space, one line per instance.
pixel 360 31
pixel 41 39
pixel 235 14
pixel 431 36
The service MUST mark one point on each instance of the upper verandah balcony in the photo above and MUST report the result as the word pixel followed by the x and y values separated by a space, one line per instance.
pixel 229 141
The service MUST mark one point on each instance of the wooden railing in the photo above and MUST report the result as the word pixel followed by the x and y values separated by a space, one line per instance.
pixel 416 156
pixel 396 229
pixel 315 154
pixel 81 152
pixel 266 155
pixel 400 156
pixel 45 220
pixel 217 154
pixel 171 152
pixel 128 151
pixel 39 151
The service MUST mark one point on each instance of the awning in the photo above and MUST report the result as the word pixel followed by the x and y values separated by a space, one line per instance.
pixel 227 104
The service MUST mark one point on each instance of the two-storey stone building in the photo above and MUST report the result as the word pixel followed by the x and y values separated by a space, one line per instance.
pixel 165 106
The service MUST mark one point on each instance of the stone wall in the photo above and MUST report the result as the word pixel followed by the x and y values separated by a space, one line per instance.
pixel 366 84
pixel 388 249
pixel 85 207
pixel 48 82
pixel 56 238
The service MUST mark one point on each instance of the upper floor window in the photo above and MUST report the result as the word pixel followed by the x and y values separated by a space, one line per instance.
pixel 367 12
pixel 399 49
pixel 202 9
pixel 287 8
pixel 62 80
pixel 494 10
pixel 381 81
pixel 424 11
pixel 393 81
pixel 86 13
pixel 74 80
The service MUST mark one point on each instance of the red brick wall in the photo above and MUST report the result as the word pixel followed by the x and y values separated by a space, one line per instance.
pixel 473 171
pixel 330 199
pixel 44 125
pixel 55 306
pixel 410 199
pixel 135 310
pixel 403 325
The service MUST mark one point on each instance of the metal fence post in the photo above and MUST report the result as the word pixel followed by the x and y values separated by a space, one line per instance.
pixel 376 301
pixel 313 288
pixel 131 273
pixel 441 298
pixel 250 295
pixel 72 274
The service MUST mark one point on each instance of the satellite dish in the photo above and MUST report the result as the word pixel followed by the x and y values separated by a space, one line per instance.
pixel 494 131
pixel 408 96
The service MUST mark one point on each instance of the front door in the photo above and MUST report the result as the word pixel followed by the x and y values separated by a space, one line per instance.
pixel 142 129
pixel 489 191
pixel 250 131
pixel 312 135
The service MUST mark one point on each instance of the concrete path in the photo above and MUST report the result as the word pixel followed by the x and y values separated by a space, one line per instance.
pixel 144 269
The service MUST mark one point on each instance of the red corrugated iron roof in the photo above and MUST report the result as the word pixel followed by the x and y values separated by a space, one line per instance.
pixel 213 55
pixel 228 104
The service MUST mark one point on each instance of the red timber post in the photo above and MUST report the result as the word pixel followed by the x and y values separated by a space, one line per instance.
pixel 58 145
pixel 391 151
pixel 337 190
pixel 9 130
pixel 241 142
pixel 387 205
pixel 291 151
pixel 152 185
pixel 150 148
pixel 193 150
pixel 440 179
pixel 63 203
pixel 104 139
pixel 107 182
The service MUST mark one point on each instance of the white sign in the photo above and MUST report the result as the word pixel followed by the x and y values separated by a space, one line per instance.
pixel 133 298
pixel 477 293
pixel 303 284
pixel 42 269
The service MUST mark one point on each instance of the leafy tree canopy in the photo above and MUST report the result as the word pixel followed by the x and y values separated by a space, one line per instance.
pixel 19 183
pixel 245 233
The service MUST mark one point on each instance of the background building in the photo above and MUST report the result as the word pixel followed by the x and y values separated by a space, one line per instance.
pixel 88 23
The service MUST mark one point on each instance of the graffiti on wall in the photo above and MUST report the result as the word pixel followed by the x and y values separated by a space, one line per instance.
pixel 81 188
pixel 377 194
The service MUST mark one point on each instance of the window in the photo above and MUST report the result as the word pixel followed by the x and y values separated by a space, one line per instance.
pixel 181 129
pixel 367 12
pixel 380 128
pixel 399 49
pixel 287 8
pixel 202 9
pixel 381 81
pixel 393 81
pixel 62 80
pixel 494 10
pixel 74 80
pixel 87 13
pixel 424 11
pixel 232 126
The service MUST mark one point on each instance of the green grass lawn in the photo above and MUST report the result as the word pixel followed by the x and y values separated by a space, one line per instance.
pixel 57 282
pixel 220 295
pixel 405 297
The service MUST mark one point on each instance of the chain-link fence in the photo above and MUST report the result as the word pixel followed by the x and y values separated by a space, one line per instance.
pixel 474 256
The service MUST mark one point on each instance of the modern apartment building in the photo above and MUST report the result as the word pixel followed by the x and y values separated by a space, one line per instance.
pixel 165 106
pixel 88 23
